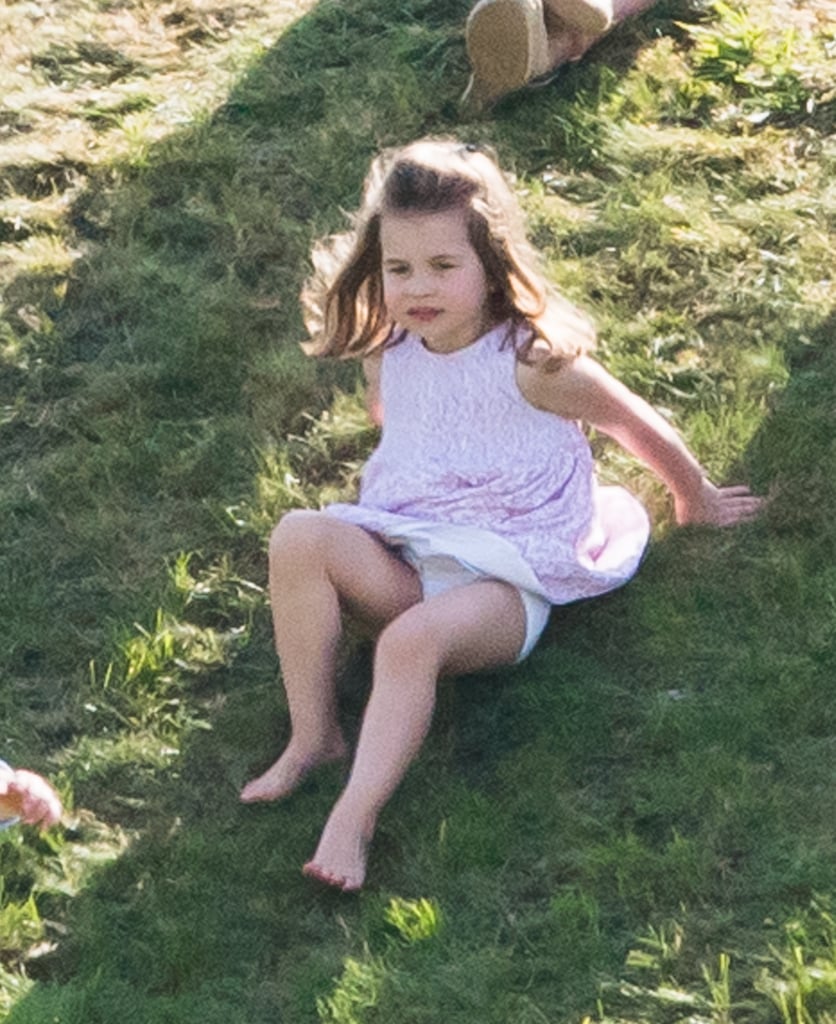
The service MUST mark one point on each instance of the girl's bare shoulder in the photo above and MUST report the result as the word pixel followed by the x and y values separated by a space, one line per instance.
pixel 567 387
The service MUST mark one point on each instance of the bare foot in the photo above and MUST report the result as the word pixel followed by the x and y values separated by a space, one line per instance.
pixel 286 774
pixel 340 858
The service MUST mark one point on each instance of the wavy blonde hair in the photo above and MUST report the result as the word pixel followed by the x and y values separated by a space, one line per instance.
pixel 343 301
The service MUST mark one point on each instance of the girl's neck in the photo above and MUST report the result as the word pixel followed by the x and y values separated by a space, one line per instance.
pixel 447 346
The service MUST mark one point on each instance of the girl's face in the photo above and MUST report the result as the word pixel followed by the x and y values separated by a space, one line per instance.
pixel 434 283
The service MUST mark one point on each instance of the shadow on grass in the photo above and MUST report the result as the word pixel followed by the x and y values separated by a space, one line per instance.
pixel 186 316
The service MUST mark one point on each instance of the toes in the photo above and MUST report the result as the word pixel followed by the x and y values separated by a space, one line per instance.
pixel 253 793
pixel 312 870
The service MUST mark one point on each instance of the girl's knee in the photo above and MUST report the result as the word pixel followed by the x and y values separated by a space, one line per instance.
pixel 298 536
pixel 408 640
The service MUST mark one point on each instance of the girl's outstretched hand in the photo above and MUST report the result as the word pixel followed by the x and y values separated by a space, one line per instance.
pixel 29 797
pixel 718 506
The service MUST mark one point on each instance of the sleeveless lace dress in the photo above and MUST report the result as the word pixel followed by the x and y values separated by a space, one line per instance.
pixel 467 468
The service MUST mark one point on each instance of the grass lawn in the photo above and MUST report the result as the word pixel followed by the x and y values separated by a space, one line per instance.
pixel 635 825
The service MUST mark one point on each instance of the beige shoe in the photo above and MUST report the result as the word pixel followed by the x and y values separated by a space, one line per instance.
pixel 507 45
pixel 589 16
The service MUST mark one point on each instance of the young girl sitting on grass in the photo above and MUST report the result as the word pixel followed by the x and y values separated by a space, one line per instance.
pixel 479 510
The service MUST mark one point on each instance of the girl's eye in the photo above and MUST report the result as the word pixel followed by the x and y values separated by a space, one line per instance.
pixel 397 271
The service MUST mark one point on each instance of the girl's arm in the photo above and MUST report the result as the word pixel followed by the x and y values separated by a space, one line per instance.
pixel 584 390
pixel 371 370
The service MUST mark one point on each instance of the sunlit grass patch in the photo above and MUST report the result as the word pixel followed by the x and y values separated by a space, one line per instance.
pixel 146 687
pixel 793 976
pixel 748 65
pixel 106 83
pixel 364 978
pixel 41 254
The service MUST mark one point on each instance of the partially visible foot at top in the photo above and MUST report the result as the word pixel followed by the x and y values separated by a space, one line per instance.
pixel 290 770
pixel 507 47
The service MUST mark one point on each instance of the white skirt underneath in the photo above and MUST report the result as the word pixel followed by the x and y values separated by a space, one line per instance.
pixel 447 555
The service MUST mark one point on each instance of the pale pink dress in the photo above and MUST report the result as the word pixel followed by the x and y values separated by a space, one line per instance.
pixel 467 468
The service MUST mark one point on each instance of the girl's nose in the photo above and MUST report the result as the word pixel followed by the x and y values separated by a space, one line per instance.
pixel 419 284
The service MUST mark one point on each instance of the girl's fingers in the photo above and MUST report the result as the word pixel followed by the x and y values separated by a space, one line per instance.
pixel 741 511
pixel 738 490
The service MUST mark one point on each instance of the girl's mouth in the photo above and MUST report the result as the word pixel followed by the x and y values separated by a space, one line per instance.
pixel 423 314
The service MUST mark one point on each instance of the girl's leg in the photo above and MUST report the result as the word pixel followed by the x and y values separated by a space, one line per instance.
pixel 573 26
pixel 622 9
pixel 472 627
pixel 318 567
pixel 590 16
